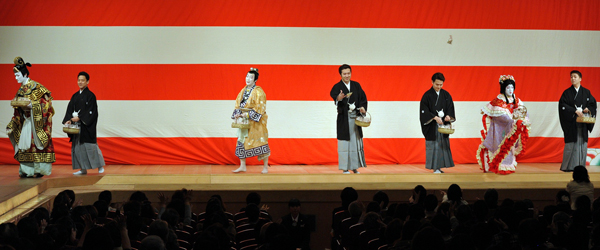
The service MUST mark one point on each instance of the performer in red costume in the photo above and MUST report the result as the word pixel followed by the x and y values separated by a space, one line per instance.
pixel 505 130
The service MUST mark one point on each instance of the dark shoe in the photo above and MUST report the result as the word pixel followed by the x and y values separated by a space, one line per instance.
pixel 22 176
pixel 38 175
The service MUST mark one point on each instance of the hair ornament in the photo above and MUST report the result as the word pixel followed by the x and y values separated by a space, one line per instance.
pixel 506 77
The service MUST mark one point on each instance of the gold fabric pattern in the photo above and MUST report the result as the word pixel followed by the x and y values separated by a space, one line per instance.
pixel 41 112
pixel 35 157
pixel 258 135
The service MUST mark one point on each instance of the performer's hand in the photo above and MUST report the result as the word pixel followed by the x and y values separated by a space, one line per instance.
pixel 68 122
pixel 362 110
pixel 75 119
pixel 447 118
pixel 438 120
pixel 586 110
pixel 237 116
pixel 8 131
pixel 579 113
pixel 341 96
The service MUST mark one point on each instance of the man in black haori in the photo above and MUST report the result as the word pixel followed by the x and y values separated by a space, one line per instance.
pixel 576 101
pixel 351 101
pixel 436 108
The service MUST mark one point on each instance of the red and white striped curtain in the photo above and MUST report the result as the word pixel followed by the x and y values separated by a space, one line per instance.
pixel 166 73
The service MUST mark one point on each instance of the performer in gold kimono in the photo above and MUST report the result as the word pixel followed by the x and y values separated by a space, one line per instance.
pixel 30 129
pixel 251 104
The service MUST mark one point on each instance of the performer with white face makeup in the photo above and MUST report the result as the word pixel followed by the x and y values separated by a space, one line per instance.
pixel 576 101
pixel 30 129
pixel 505 130
pixel 436 108
pixel 251 104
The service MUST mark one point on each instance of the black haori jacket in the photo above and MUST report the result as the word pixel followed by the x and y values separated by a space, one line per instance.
pixel 428 110
pixel 358 97
pixel 566 111
pixel 85 103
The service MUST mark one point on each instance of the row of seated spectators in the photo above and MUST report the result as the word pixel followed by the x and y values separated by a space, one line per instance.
pixel 426 221
pixel 447 221
pixel 169 226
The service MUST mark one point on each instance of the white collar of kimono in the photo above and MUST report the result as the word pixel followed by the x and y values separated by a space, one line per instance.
pixel 347 85
pixel 437 92
pixel 577 89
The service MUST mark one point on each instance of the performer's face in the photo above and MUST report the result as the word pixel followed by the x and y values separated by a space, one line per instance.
pixel 250 79
pixel 82 82
pixel 575 79
pixel 510 90
pixel 20 78
pixel 438 84
pixel 346 74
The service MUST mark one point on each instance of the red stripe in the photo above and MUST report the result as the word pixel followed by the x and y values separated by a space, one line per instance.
pixel 296 82
pixel 457 14
pixel 174 151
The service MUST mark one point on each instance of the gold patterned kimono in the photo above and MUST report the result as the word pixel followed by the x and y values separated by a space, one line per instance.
pixel 36 153
pixel 255 140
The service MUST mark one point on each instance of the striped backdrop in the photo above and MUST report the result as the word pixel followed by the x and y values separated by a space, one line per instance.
pixel 166 73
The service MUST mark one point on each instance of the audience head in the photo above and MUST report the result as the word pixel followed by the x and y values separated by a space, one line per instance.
pixel 454 193
pixel 491 198
pixel 253 198
pixel 152 242
pixel 105 196
pixel 418 195
pixel 428 238
pixel 382 199
pixel 98 238
pixel 356 209
pixel 102 208
pixel 348 195
pixel 171 217
pixel 138 196
pixel 580 175
pixel 373 207
pixel 430 203
pixel 294 206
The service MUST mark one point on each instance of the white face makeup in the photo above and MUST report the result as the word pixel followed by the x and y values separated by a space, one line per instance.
pixel 510 90
pixel 250 79
pixel 20 78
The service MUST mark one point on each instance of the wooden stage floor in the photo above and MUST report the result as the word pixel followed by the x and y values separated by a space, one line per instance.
pixel 19 195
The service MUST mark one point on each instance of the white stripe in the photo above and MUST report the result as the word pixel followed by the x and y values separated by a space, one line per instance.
pixel 287 119
pixel 312 46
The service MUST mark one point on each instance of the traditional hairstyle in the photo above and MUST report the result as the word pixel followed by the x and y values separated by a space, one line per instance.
pixel 83 73
pixel 254 71
pixel 21 66
pixel 575 72
pixel 438 76
pixel 506 80
pixel 343 67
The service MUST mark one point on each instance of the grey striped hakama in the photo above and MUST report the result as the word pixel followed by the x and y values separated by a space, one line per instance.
pixel 351 154
pixel 575 153
pixel 437 153
pixel 86 155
